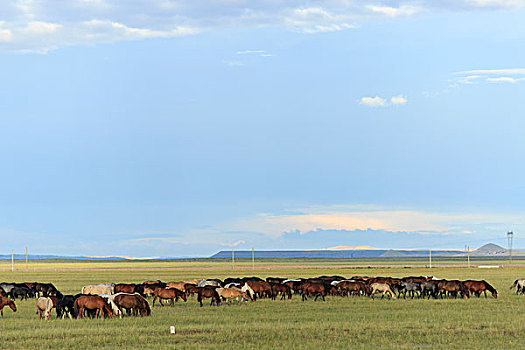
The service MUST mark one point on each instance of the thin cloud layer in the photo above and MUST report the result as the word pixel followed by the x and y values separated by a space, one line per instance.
pixel 383 102
pixel 512 75
pixel 40 26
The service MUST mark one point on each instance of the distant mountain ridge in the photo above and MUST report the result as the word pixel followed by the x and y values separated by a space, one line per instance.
pixel 489 249
pixel 43 256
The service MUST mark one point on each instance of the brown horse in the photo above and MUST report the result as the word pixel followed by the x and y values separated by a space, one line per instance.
pixel 133 302
pixel 178 285
pixel 260 289
pixel 478 287
pixel 173 294
pixel 312 288
pixel 92 302
pixel 353 288
pixel 6 302
pixel 453 288
pixel 190 288
pixel 208 292
pixel 125 288
pixel 277 288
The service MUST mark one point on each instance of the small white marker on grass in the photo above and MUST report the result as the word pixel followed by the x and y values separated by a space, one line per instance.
pixel 172 329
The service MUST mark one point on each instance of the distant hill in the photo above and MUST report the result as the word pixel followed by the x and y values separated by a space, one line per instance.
pixel 490 249
pixel 43 256
pixel 335 254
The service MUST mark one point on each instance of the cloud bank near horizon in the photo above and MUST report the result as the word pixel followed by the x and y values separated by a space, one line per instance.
pixel 31 26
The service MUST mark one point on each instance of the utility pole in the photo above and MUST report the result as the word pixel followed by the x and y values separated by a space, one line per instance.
pixel 468 256
pixel 430 258
pixel 253 259
pixel 233 259
pixel 510 235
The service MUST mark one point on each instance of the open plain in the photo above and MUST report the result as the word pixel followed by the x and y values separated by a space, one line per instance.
pixel 339 322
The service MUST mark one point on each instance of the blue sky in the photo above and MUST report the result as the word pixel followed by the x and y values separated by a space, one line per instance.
pixel 179 128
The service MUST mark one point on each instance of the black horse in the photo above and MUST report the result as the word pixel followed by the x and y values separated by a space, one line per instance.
pixel 21 292
pixel 65 306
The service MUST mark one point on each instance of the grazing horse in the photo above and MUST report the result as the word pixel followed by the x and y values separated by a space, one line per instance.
pixel 313 288
pixel 21 292
pixel 478 287
pixel 413 288
pixel 178 285
pixel 429 289
pixel 129 288
pixel 382 287
pixel 168 293
pixel 352 288
pixel 66 306
pixel 47 289
pixel 92 302
pixel 259 289
pixel 190 288
pixel 232 293
pixel 134 302
pixel 103 288
pixel 277 288
pixel 208 292
pixel 6 302
pixel 44 305
pixel 453 288
pixel 520 284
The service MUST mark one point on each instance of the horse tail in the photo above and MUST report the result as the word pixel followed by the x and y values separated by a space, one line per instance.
pixel 514 284
pixel 76 307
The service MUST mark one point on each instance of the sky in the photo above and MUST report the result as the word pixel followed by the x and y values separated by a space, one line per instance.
pixel 181 128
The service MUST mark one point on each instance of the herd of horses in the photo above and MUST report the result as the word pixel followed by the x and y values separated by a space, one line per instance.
pixel 110 299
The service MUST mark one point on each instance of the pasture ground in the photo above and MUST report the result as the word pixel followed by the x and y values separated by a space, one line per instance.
pixel 356 323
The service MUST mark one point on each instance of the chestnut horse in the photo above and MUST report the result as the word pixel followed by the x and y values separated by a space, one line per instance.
pixel 277 288
pixel 134 302
pixel 453 288
pixel 312 288
pixel 6 302
pixel 478 287
pixel 168 293
pixel 92 302
pixel 208 292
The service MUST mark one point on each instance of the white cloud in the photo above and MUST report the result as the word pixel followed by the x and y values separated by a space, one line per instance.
pixel 383 102
pixel 324 28
pixel 502 80
pixel 403 11
pixel 373 101
pixel 398 100
pixel 350 218
pixel 247 52
pixel 507 75
pixel 38 26
pixel 5 35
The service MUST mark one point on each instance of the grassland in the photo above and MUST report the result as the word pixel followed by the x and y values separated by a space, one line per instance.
pixel 336 323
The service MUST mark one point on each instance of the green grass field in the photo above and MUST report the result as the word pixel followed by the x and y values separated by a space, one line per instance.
pixel 337 323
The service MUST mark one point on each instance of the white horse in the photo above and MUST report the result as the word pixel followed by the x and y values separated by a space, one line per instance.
pixel 44 305
pixel 205 283
pixel 109 298
pixel 249 291
pixel 520 283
